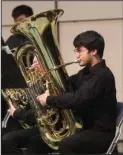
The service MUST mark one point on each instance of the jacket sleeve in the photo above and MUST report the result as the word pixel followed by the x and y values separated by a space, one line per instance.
pixel 25 115
pixel 89 91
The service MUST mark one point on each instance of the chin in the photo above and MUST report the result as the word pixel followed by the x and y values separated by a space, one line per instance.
pixel 82 64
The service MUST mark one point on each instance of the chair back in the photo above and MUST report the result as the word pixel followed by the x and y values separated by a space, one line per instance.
pixel 119 120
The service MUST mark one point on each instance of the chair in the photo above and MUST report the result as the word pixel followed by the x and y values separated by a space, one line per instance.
pixel 119 123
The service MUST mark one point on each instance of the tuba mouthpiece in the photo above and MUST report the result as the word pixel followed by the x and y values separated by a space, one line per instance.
pixel 77 60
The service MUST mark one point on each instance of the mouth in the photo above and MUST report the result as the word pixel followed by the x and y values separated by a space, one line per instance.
pixel 78 60
pixel 81 63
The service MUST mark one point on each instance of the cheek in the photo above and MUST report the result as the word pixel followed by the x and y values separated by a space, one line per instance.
pixel 85 57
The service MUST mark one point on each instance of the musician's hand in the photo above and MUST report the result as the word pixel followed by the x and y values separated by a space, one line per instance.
pixel 42 98
pixel 11 109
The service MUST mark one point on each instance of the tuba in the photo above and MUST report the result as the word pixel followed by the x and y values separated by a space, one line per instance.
pixel 18 98
pixel 54 124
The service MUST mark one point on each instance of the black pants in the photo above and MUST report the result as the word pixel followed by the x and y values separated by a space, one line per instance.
pixel 12 142
pixel 12 125
pixel 87 142
pixel 84 142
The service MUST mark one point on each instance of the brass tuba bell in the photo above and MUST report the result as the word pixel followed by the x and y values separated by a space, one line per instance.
pixel 54 124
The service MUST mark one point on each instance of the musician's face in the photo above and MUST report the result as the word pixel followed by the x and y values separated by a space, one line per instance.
pixel 84 55
pixel 19 19
pixel 36 65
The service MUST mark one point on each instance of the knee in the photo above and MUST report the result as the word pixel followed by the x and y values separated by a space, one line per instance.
pixel 64 142
pixel 8 137
pixel 66 145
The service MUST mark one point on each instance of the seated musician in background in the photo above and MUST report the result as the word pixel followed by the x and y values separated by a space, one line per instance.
pixel 15 137
pixel 12 124
pixel 93 98
pixel 30 138
pixel 19 13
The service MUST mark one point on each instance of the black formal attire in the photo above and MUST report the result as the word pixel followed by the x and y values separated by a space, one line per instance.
pixel 14 138
pixel 16 40
pixel 93 100
pixel 13 41
pixel 30 138
pixel 12 124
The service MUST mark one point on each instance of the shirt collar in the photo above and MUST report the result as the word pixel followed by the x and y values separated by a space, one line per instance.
pixel 97 66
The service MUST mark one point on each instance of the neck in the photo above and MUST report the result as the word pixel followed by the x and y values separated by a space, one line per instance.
pixel 95 61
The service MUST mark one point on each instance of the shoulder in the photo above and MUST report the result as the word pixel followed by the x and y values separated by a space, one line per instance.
pixel 106 75
pixel 80 72
pixel 14 41
pixel 107 71
pixel 11 38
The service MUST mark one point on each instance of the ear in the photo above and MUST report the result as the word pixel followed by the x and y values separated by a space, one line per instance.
pixel 94 52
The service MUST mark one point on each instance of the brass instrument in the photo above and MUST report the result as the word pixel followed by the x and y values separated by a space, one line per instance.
pixel 5 120
pixel 54 124
pixel 18 98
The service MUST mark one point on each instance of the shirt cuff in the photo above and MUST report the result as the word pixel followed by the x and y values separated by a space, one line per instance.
pixel 17 113
pixel 63 102
pixel 50 100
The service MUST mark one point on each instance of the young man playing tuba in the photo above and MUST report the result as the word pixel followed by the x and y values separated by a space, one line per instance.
pixel 93 98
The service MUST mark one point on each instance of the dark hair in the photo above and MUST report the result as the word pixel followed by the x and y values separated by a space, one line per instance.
pixel 91 40
pixel 22 10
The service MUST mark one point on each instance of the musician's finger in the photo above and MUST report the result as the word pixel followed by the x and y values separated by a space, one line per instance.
pixel 34 66
pixel 47 92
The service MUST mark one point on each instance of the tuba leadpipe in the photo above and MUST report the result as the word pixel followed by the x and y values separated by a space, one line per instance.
pixel 65 64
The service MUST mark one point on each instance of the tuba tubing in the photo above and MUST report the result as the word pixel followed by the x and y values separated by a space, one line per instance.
pixel 65 64
pixel 5 120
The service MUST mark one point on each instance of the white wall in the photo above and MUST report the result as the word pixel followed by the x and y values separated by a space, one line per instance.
pixel 81 10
